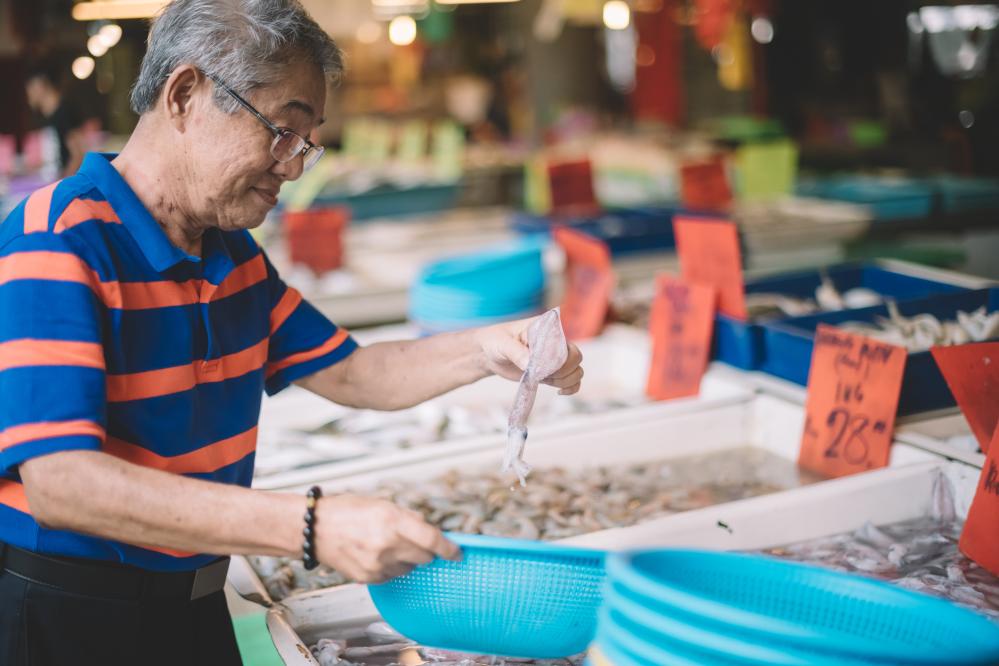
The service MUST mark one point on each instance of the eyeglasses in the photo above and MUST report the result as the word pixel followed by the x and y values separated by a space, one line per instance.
pixel 286 145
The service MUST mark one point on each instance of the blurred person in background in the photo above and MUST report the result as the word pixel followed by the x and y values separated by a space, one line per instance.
pixel 60 112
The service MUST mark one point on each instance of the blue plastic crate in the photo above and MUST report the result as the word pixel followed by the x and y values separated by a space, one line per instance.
pixel 888 198
pixel 965 195
pixel 789 343
pixel 626 231
pixel 388 201
pixel 741 343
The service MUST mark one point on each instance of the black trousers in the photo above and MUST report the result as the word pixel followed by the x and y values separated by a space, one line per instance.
pixel 41 625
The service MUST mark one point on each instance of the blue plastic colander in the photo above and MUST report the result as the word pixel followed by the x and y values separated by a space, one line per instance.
pixel 807 611
pixel 653 638
pixel 505 597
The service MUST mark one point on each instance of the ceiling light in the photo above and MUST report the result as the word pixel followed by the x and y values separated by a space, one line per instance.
pixel 110 34
pixel 83 67
pixel 120 9
pixel 96 46
pixel 617 14
pixel 402 30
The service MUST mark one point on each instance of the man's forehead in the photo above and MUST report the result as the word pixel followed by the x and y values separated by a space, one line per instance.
pixel 298 98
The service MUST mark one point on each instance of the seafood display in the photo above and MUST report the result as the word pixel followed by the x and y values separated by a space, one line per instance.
pixel 920 554
pixel 564 503
pixel 632 305
pixel 382 646
pixel 827 299
pixel 922 331
pixel 548 352
pixel 362 433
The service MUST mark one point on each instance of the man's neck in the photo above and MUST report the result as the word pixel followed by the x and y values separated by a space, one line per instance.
pixel 159 189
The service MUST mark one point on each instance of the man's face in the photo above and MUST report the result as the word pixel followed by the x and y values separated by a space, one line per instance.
pixel 232 178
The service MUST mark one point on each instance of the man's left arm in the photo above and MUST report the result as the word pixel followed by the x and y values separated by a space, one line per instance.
pixel 396 375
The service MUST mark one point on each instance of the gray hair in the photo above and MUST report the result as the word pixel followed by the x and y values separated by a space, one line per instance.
pixel 245 43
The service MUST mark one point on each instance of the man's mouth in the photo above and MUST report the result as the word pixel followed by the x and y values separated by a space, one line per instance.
pixel 269 196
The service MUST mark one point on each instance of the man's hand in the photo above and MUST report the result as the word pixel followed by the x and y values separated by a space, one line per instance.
pixel 504 347
pixel 372 540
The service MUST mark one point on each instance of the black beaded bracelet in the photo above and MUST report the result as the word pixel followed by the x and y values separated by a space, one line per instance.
pixel 309 532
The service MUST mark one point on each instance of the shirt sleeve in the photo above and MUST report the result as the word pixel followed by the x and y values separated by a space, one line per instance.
pixel 52 380
pixel 302 341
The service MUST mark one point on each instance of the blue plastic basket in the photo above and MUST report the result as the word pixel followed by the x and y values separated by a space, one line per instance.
pixel 888 198
pixel 388 201
pixel 742 343
pixel 802 609
pixel 655 635
pixel 493 285
pixel 506 597
pixel 965 195
pixel 625 230
pixel 789 344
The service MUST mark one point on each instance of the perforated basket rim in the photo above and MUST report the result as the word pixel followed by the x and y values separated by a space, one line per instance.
pixel 525 546
pixel 620 568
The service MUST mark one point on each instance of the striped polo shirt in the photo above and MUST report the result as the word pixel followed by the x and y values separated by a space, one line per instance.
pixel 113 339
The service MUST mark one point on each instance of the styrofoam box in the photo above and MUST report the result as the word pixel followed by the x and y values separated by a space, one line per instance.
pixel 902 491
pixel 616 367
pixel 937 435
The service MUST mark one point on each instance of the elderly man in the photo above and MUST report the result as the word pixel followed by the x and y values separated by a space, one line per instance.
pixel 140 324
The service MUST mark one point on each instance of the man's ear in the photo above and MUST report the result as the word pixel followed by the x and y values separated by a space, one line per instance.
pixel 180 92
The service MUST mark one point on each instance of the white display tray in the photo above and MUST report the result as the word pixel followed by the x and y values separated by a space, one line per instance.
pixel 897 493
pixel 616 366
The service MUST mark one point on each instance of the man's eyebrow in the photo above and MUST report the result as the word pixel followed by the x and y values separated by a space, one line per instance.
pixel 302 106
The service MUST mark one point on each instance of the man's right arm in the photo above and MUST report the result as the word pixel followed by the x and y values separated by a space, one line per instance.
pixel 95 493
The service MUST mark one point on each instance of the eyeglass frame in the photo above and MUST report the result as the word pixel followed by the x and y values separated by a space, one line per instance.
pixel 278 132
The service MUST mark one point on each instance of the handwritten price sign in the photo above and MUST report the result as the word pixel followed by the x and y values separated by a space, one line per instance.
pixel 978 539
pixel 589 283
pixel 709 254
pixel 681 322
pixel 853 389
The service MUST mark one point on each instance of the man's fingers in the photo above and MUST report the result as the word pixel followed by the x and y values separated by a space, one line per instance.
pixel 573 378
pixel 571 390
pixel 428 537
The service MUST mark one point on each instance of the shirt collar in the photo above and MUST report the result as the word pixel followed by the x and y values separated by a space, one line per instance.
pixel 152 241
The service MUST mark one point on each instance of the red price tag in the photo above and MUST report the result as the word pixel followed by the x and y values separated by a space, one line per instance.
pixel 853 389
pixel 681 322
pixel 980 538
pixel 589 283
pixel 572 187
pixel 710 255
pixel 972 373
pixel 704 185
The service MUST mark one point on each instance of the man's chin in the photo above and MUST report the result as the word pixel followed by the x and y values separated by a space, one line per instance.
pixel 247 219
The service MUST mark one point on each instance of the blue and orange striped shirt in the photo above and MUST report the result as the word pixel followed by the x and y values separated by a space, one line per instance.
pixel 113 339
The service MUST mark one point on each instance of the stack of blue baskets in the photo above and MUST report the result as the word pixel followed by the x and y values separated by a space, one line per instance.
pixel 479 289
pixel 702 608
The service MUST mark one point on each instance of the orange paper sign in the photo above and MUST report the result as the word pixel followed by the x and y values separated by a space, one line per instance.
pixel 972 373
pixel 589 283
pixel 681 321
pixel 853 389
pixel 704 186
pixel 980 538
pixel 710 255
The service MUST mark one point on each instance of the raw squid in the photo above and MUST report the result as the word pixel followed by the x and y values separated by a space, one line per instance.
pixel 548 353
